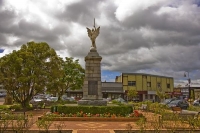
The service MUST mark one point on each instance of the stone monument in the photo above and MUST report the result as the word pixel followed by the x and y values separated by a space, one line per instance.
pixel 92 93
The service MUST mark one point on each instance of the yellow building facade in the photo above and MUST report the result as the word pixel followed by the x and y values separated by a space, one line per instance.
pixel 146 84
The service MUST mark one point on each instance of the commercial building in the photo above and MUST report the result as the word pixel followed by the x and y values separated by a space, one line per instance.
pixel 111 90
pixel 183 91
pixel 146 85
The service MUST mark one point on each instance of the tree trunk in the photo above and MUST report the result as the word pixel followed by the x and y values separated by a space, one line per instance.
pixel 25 104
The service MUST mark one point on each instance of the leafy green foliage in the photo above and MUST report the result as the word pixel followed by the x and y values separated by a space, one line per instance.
pixel 73 74
pixel 36 68
pixel 16 107
pixel 122 110
pixel 45 122
pixel 194 108
pixel 8 100
pixel 72 77
pixel 161 94
pixel 132 93
pixel 4 107
pixel 28 71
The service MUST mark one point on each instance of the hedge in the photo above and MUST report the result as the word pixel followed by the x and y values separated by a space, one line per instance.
pixel 122 110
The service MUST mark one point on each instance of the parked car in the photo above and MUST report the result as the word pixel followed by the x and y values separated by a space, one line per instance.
pixel 136 100
pixel 121 100
pixel 38 98
pixel 3 94
pixel 54 99
pixel 178 103
pixel 34 100
pixel 167 101
pixel 66 98
pixel 196 103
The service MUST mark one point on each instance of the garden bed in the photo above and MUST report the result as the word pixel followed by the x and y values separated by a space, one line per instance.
pixel 130 119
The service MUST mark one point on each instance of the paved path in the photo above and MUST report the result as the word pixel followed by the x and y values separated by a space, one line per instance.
pixel 82 126
pixel 189 112
pixel 87 127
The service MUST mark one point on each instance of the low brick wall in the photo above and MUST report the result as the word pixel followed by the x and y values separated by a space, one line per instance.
pixel 132 119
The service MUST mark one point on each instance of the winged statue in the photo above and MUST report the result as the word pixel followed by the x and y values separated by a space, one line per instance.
pixel 93 33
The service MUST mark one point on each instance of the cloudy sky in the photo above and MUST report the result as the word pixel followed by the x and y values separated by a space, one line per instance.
pixel 160 37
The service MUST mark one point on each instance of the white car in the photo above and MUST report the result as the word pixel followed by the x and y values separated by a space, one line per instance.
pixel 36 100
pixel 54 99
pixel 196 103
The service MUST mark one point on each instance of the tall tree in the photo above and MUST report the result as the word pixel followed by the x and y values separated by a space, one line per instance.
pixel 28 71
pixel 72 77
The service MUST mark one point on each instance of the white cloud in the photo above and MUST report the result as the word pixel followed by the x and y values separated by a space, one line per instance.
pixel 127 8
pixel 11 39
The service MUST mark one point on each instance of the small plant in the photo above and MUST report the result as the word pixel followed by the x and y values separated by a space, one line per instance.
pixel 18 124
pixel 5 121
pixel 45 122
pixel 142 124
pixel 59 126
pixel 129 127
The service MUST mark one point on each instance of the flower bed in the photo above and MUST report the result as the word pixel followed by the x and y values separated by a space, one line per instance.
pixel 80 116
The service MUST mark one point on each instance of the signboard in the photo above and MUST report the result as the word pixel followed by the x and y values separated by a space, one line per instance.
pixel 177 91
pixel 152 92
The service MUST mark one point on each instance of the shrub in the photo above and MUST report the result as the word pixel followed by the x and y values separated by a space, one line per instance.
pixel 4 107
pixel 8 100
pixel 118 110
pixel 194 108
pixel 16 107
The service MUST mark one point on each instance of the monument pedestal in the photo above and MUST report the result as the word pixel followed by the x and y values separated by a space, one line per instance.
pixel 92 93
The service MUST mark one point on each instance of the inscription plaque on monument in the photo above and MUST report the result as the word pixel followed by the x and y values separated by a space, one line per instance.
pixel 92 87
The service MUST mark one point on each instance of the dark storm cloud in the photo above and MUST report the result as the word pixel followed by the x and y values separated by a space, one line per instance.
pixel 119 41
pixel 2 39
pixel 160 38
pixel 6 21
pixel 36 31
pixel 27 31
pixel 82 12
pixel 167 23
pixel 1 3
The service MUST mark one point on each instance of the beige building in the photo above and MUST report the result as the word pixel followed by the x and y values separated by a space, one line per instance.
pixel 146 84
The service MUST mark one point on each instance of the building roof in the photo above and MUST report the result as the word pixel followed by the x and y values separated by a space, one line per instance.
pixel 146 74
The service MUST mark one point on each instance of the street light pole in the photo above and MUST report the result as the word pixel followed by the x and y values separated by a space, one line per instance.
pixel 189 81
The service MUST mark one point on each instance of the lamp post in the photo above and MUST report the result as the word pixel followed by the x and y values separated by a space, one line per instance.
pixel 187 74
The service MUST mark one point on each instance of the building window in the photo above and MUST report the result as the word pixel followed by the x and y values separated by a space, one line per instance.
pixel 146 97
pixel 151 96
pixel 144 76
pixel 148 84
pixel 168 85
pixel 131 83
pixel 159 85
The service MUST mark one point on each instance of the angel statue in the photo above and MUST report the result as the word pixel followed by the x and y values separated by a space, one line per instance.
pixel 93 34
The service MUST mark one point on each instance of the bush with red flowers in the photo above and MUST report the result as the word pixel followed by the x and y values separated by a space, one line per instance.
pixel 137 114
pixel 82 114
